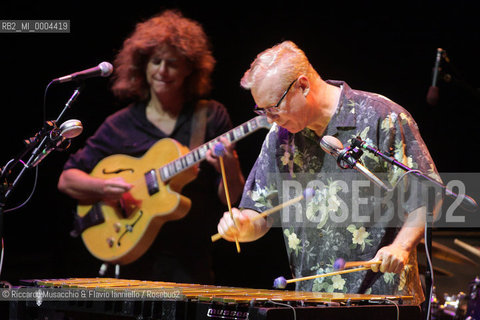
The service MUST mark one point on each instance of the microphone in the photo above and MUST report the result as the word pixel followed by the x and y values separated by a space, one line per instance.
pixel 334 147
pixel 432 94
pixel 359 143
pixel 104 69
pixel 59 138
pixel 71 128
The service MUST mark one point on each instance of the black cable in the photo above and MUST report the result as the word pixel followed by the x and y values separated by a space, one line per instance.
pixel 30 196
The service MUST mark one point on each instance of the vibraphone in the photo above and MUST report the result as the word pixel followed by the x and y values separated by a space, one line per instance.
pixel 194 301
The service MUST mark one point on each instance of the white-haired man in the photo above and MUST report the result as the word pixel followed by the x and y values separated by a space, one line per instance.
pixel 304 108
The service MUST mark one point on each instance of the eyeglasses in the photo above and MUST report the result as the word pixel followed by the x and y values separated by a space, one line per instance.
pixel 273 109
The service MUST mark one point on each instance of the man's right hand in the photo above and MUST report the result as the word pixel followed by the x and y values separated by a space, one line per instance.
pixel 245 227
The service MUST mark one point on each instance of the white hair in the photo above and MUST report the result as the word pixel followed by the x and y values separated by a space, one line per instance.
pixel 285 58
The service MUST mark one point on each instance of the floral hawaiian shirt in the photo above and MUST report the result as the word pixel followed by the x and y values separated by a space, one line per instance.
pixel 339 221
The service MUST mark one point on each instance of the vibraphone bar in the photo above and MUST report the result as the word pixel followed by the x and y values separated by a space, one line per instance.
pixel 196 302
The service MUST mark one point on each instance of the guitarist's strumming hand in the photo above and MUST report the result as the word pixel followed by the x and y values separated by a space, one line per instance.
pixel 233 172
pixel 80 185
pixel 114 188
pixel 243 228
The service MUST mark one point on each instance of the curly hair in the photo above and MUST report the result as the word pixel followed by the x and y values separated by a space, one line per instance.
pixel 170 28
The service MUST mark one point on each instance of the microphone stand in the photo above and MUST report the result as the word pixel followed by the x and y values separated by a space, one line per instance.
pixel 470 205
pixel 348 158
pixel 467 202
pixel 37 142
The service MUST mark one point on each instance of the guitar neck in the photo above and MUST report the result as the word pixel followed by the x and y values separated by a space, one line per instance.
pixel 198 154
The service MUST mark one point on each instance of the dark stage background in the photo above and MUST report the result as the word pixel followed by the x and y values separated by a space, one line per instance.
pixel 389 49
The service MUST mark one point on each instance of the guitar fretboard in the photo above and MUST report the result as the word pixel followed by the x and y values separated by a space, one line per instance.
pixel 198 154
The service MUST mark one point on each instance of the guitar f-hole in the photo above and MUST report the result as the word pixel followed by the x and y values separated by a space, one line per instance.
pixel 104 171
pixel 129 228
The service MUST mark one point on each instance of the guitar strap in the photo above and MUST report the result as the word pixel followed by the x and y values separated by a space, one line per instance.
pixel 199 124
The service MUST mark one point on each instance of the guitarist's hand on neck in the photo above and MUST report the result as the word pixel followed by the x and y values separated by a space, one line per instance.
pixel 233 172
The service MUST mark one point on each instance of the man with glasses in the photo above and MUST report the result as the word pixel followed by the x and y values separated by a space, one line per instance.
pixel 304 108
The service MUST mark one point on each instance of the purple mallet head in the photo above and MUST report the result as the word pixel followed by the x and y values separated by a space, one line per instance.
pixel 219 149
pixel 339 264
pixel 308 194
pixel 280 283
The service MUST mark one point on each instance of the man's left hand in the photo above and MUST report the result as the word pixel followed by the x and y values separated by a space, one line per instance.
pixel 393 257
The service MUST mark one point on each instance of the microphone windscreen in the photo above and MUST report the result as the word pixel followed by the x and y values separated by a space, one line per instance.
pixel 106 69
pixel 71 128
pixel 331 145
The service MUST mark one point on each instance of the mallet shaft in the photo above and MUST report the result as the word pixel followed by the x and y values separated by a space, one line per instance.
pixel 327 274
